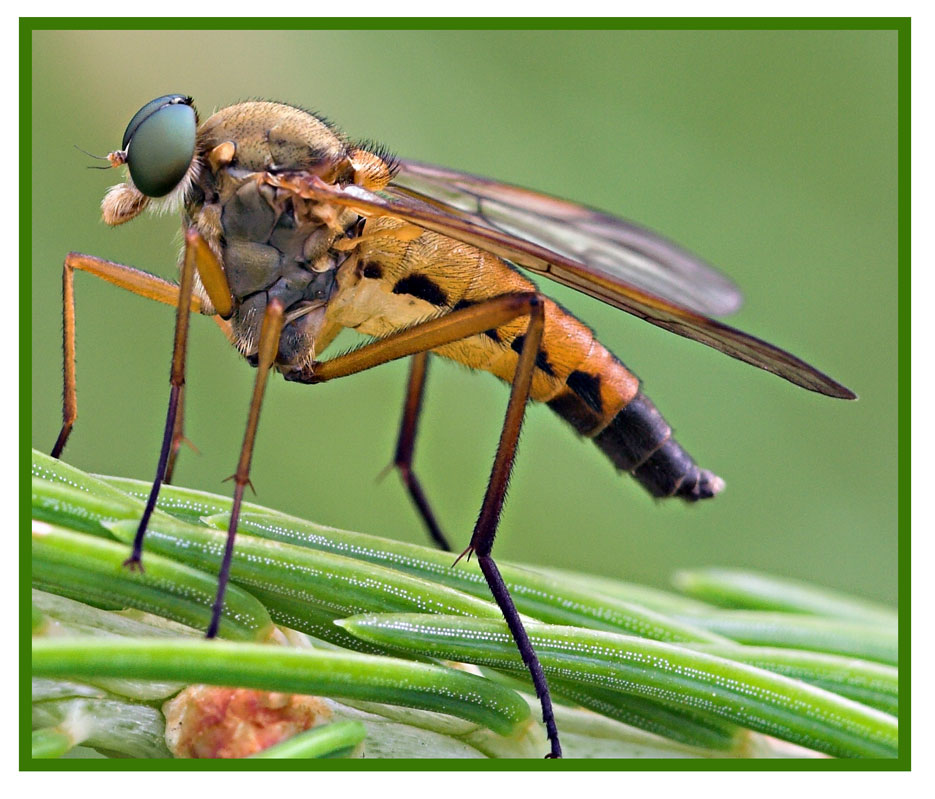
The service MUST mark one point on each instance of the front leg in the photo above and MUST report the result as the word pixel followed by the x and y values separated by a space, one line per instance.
pixel 140 283
pixel 268 346
pixel 198 256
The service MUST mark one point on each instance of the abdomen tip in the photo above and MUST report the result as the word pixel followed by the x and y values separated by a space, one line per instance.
pixel 707 486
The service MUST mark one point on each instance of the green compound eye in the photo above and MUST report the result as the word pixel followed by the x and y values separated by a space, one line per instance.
pixel 160 143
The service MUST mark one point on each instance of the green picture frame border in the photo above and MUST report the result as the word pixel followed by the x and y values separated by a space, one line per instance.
pixel 901 25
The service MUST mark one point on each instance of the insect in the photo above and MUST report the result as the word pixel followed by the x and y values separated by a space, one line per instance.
pixel 293 232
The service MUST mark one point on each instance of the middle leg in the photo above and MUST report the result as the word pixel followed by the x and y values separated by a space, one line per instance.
pixel 405 445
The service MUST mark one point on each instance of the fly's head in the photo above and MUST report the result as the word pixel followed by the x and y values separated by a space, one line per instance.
pixel 171 160
pixel 159 150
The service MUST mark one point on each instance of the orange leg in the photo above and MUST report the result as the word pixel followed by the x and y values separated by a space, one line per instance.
pixel 197 257
pixel 434 333
pixel 125 277
pixel 268 346
pixel 489 518
pixel 422 337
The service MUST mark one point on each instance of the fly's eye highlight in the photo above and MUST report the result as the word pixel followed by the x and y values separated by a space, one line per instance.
pixel 160 142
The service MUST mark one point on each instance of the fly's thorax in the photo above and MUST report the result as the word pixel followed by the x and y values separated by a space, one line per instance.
pixel 274 137
pixel 271 245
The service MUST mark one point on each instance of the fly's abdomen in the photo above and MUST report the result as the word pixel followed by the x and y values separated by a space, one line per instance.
pixel 630 432
pixel 396 282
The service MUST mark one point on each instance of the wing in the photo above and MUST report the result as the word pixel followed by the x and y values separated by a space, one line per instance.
pixel 615 248
pixel 440 217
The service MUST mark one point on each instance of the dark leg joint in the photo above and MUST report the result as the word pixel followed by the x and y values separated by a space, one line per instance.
pixel 305 374
pixel 134 563
pixel 62 438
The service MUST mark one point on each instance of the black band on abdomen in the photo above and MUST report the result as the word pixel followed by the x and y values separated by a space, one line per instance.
pixel 634 434
pixel 639 440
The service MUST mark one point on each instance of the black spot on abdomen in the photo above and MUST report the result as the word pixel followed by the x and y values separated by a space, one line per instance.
pixel 542 360
pixel 373 270
pixel 588 387
pixel 423 288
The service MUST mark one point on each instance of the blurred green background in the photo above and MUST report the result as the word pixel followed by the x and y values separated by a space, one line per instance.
pixel 770 153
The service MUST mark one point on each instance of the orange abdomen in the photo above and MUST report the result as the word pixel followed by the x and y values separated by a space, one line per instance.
pixel 393 282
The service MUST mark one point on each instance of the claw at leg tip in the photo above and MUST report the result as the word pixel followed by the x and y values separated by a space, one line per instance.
pixel 384 472
pixel 134 563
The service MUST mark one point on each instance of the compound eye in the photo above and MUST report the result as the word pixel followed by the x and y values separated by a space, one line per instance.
pixel 160 143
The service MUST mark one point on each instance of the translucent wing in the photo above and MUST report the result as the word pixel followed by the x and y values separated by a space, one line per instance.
pixel 615 248
pixel 441 217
